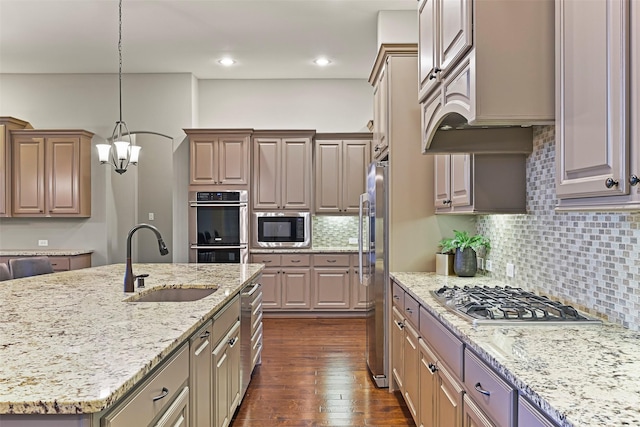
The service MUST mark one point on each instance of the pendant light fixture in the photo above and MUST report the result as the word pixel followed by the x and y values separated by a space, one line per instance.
pixel 121 153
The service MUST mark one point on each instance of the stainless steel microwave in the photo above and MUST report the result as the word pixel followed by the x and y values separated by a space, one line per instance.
pixel 282 230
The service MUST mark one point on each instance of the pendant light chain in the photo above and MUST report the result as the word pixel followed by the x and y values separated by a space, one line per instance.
pixel 120 55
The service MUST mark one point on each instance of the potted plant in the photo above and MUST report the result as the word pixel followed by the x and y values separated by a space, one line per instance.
pixel 465 247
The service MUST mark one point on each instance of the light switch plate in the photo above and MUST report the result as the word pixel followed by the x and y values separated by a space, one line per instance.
pixel 353 240
pixel 511 270
pixel 43 243
pixel 152 216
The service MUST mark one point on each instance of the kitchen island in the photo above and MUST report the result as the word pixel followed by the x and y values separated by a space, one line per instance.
pixel 72 343
pixel 578 375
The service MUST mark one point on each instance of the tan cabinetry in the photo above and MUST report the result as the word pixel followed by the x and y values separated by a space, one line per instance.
pixel 340 171
pixel 225 361
pixel 282 170
pixel 484 63
pixel 597 145
pixel 529 416
pixel 332 282
pixel 380 144
pixel 51 173
pixel 397 348
pixel 7 124
pixel 59 262
pixel 286 281
pixel 200 377
pixel 155 397
pixel 219 157
pixel 359 296
pixel 480 183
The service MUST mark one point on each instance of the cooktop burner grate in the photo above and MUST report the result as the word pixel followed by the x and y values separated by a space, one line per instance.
pixel 484 304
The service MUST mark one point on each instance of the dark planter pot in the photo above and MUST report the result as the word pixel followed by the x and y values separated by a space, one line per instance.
pixel 465 264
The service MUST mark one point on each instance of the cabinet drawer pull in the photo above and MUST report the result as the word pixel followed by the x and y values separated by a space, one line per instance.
pixel 400 325
pixel 295 260
pixel 165 392
pixel 233 341
pixel 205 335
pixel 332 260
pixel 433 368
pixel 396 297
pixel 265 261
pixel 479 389
pixel 634 180
pixel 409 310
pixel 610 183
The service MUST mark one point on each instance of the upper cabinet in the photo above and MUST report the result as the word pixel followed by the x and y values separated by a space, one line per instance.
pixel 597 75
pixel 51 173
pixel 341 162
pixel 219 156
pixel 7 124
pixel 282 170
pixel 484 63
pixel 480 183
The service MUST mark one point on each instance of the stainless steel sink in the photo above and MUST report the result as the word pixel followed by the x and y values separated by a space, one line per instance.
pixel 172 295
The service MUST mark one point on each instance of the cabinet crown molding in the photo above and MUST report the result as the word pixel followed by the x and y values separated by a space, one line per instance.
pixel 386 50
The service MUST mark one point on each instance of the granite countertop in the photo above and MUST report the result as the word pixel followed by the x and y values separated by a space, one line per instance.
pixel 580 375
pixel 312 250
pixel 70 343
pixel 44 252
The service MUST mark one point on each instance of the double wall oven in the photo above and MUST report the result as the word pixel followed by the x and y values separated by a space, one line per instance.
pixel 218 226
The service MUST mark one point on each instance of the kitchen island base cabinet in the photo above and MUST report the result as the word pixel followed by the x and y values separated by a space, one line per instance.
pixel 200 376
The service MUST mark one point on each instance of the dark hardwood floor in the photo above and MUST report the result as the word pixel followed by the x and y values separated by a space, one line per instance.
pixel 313 373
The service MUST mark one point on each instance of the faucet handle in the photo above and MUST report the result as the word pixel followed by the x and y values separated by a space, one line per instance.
pixel 140 279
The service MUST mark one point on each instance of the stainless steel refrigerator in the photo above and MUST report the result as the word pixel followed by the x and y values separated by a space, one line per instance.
pixel 374 268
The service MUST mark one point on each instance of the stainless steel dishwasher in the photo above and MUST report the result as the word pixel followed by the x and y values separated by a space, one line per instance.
pixel 250 333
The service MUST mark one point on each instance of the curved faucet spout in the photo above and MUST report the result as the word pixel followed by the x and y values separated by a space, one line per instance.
pixel 128 273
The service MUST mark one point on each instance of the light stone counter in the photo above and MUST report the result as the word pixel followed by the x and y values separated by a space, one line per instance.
pixel 44 252
pixel 71 344
pixel 581 375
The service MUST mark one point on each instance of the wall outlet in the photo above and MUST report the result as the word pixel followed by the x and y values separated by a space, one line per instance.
pixel 480 264
pixel 353 240
pixel 487 265
pixel 43 243
pixel 152 216
pixel 511 270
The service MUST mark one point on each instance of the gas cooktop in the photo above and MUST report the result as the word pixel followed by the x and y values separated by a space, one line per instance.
pixel 507 305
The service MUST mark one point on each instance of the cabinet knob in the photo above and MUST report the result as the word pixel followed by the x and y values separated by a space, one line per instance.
pixel 634 180
pixel 433 368
pixel 446 202
pixel 610 183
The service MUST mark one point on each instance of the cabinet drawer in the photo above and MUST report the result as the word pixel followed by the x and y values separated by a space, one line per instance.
pixel 411 310
pixel 269 260
pixel 529 416
pixel 341 260
pixel 225 319
pixel 449 348
pixel 256 346
pixel 491 393
pixel 60 263
pixel 141 408
pixel 397 295
pixel 295 260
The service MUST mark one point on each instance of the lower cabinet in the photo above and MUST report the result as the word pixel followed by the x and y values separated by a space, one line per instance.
pixel 177 415
pixel 59 262
pixel 153 399
pixel 332 282
pixel 397 349
pixel 226 377
pixel 200 376
pixel 473 416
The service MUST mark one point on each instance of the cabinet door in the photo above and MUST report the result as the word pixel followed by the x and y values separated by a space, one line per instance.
pixel 177 415
pixel 461 180
pixel 296 289
pixel 266 173
pixel 5 170
pixel 592 108
pixel 221 385
pixel 383 109
pixel 359 291
pixel 233 165
pixel 428 384
pixel 442 181
pixel 200 376
pixel 234 369
pixel 411 371
pixel 449 396
pixel 204 156
pixel 529 416
pixel 332 288
pixel 397 348
pixel 356 156
pixel 62 166
pixel 473 416
pixel 28 176
pixel 427 46
pixel 454 30
pixel 328 176
pixel 271 289
pixel 296 174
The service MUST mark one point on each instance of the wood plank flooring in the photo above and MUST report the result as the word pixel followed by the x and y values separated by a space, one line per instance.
pixel 313 373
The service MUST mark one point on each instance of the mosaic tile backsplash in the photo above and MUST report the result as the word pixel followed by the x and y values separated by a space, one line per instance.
pixel 588 259
pixel 333 231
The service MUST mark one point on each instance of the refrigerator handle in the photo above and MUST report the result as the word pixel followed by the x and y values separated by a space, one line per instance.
pixel 363 199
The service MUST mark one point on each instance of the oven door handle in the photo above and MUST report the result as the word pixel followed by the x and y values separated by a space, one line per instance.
pixel 221 205
pixel 219 247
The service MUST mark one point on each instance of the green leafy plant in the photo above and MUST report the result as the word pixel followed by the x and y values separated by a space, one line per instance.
pixel 463 240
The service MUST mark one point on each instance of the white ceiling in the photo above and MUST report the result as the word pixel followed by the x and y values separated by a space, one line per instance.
pixel 268 38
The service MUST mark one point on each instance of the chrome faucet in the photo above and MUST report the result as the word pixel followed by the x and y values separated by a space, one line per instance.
pixel 129 277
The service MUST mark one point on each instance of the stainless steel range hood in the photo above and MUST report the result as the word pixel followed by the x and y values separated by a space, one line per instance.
pixel 453 134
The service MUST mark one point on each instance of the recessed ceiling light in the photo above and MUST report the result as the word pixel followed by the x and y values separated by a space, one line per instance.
pixel 323 62
pixel 227 62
